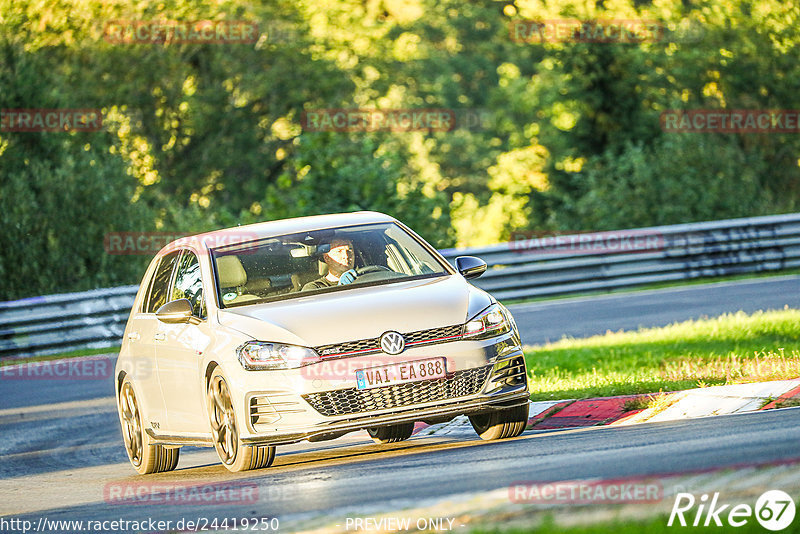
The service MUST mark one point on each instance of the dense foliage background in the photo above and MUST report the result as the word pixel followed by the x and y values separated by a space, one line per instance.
pixel 200 136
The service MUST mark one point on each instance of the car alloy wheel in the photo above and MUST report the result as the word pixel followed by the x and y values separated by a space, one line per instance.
pixel 233 454
pixel 223 421
pixel 145 456
pixel 131 424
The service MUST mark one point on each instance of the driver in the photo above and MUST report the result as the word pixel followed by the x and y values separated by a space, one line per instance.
pixel 340 259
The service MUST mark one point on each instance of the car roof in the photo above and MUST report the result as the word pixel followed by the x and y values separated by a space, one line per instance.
pixel 250 232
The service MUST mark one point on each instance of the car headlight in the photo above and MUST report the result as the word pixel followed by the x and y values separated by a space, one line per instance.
pixel 260 355
pixel 492 321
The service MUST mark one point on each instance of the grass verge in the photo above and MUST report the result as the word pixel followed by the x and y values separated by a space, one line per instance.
pixel 652 526
pixel 732 348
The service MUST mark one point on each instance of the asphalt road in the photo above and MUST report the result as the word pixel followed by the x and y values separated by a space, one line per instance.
pixel 61 446
pixel 360 478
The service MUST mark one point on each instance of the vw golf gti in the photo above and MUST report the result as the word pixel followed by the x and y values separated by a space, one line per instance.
pixel 307 329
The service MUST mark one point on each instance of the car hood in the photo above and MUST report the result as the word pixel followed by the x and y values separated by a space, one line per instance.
pixel 360 313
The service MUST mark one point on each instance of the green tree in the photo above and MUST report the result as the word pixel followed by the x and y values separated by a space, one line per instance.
pixel 330 176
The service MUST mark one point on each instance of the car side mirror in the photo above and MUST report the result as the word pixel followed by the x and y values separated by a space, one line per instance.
pixel 176 312
pixel 470 266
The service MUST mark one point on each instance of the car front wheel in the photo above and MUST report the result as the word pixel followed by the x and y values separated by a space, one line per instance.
pixel 146 457
pixel 235 455
pixel 500 424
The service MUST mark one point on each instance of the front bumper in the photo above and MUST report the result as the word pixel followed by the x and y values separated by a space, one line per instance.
pixel 482 375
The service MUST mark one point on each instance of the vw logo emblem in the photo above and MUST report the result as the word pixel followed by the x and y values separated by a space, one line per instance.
pixel 392 343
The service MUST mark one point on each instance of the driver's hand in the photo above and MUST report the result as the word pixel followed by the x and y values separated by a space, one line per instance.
pixel 347 277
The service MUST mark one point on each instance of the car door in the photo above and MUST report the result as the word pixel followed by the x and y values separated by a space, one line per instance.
pixel 179 349
pixel 142 342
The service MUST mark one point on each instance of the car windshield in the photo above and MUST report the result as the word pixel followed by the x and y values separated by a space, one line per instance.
pixel 320 261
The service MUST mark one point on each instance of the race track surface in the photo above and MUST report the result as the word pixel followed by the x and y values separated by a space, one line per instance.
pixel 61 452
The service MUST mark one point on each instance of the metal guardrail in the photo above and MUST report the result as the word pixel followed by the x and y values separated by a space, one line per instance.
pixel 58 323
pixel 532 268
pixel 520 269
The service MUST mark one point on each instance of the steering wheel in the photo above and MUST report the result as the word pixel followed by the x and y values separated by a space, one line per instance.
pixel 371 269
pixel 350 276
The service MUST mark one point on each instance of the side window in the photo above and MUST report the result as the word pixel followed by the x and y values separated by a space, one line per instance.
pixel 157 295
pixel 189 285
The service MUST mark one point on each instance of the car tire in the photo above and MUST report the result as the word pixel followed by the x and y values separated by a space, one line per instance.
pixel 234 455
pixel 500 424
pixel 145 456
pixel 391 433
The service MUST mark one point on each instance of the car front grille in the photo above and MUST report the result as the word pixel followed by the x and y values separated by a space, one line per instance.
pixel 366 346
pixel 352 400
pixel 434 334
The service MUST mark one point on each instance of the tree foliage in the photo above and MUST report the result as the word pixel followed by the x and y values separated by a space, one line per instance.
pixel 199 136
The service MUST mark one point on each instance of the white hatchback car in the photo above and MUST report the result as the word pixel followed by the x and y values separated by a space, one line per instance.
pixel 307 329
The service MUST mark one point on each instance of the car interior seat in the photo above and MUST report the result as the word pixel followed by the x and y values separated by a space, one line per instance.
pixel 232 280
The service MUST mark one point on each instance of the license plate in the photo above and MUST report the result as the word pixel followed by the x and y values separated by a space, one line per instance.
pixel 400 373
